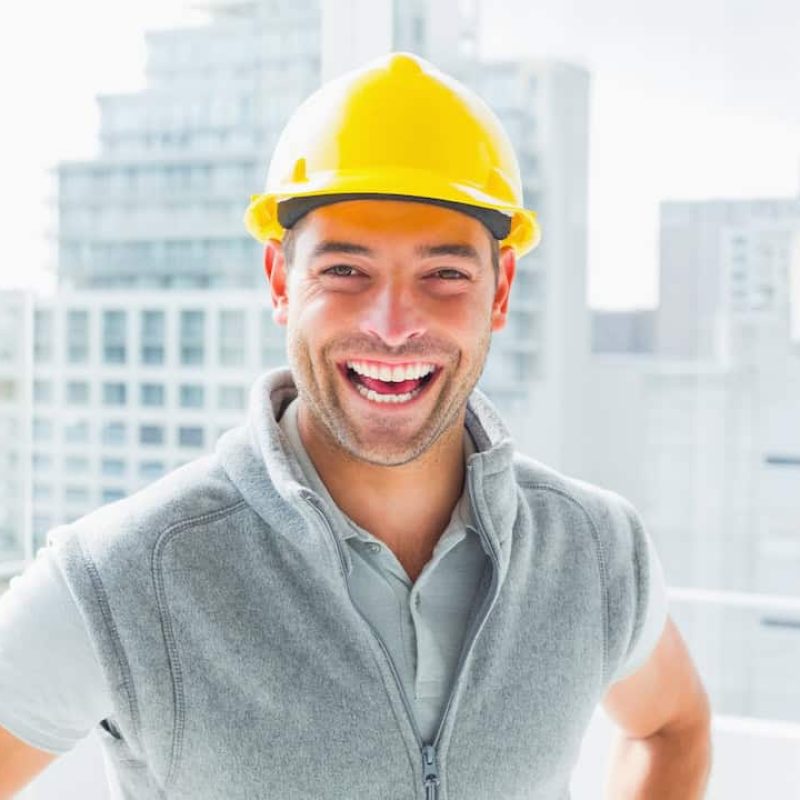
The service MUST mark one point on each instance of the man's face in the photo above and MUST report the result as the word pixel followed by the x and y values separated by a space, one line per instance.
pixel 389 307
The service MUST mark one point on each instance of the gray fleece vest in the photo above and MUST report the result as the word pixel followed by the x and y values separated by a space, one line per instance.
pixel 240 668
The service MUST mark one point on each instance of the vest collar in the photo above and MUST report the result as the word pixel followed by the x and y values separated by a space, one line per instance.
pixel 259 461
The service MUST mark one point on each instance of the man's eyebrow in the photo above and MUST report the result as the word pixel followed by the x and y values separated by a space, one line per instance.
pixel 330 246
pixel 460 250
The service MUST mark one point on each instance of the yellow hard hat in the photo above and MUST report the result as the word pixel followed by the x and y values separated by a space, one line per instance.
pixel 395 128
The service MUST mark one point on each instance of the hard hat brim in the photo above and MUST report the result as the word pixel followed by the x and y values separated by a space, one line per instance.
pixel 291 210
pixel 261 217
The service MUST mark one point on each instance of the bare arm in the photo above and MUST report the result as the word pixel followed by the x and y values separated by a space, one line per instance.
pixel 664 752
pixel 19 763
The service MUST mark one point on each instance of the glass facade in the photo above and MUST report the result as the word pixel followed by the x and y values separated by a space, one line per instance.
pixel 192 396
pixel 192 337
pixel 114 337
pixel 114 394
pixel 153 337
pixel 152 394
pixel 77 337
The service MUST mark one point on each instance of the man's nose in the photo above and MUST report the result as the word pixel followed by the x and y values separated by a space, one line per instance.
pixel 393 314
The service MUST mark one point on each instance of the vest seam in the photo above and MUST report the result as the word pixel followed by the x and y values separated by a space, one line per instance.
pixel 642 580
pixel 111 627
pixel 601 563
pixel 170 642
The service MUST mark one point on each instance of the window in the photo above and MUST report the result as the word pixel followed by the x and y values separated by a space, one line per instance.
pixel 151 434
pixel 114 337
pixel 42 429
pixel 111 495
pixel 41 524
pixel 77 337
pixel 76 494
pixel 153 328
pixel 42 491
pixel 76 465
pixel 42 462
pixel 152 394
pixel 273 343
pixel 190 437
pixel 192 396
pixel 114 394
pixel 76 432
pixel 231 338
pixel 77 393
pixel 42 392
pixel 151 469
pixel 231 397
pixel 43 336
pixel 192 336
pixel 114 433
pixel 112 467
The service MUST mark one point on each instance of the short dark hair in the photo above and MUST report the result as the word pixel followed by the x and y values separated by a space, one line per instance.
pixel 290 235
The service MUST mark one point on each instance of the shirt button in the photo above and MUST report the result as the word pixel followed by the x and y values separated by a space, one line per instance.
pixel 417 600
pixel 373 547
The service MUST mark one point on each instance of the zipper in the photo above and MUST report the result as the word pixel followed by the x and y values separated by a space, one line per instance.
pixel 431 779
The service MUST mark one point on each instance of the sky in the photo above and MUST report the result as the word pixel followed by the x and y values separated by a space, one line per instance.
pixel 689 100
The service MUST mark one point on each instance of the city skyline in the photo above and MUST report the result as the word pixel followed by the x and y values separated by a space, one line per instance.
pixel 700 110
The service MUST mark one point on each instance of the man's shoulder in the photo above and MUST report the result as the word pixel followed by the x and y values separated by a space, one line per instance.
pixel 604 507
pixel 195 492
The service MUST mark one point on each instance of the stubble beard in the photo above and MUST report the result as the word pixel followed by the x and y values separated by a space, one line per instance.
pixel 319 390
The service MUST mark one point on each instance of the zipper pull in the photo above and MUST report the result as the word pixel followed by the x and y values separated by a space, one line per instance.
pixel 430 772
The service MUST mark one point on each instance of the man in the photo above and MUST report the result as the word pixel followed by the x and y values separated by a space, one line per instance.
pixel 365 592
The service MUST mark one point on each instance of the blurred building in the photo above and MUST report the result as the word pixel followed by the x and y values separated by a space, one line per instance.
pixel 623 331
pixel 15 427
pixel 130 385
pixel 703 436
pixel 162 204
pixel 731 296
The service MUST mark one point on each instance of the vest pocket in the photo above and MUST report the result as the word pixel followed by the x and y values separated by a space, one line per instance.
pixel 111 728
pixel 114 744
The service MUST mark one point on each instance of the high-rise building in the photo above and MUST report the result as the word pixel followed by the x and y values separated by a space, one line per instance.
pixel 732 272
pixel 161 206
pixel 15 427
pixel 726 271
pixel 703 436
pixel 128 386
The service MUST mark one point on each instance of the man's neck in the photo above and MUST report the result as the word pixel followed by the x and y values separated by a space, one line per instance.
pixel 407 507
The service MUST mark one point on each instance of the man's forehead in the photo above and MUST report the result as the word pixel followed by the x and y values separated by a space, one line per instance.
pixel 366 225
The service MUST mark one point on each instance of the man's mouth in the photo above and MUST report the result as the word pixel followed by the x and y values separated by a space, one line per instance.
pixel 389 383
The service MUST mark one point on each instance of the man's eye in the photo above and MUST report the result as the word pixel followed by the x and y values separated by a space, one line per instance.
pixel 339 271
pixel 456 272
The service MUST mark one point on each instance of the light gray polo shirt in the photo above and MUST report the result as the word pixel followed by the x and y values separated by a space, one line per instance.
pixel 423 623
pixel 52 690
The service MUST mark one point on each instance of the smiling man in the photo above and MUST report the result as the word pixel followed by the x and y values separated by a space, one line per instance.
pixel 365 591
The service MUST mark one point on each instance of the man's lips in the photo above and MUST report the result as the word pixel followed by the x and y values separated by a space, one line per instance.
pixel 360 383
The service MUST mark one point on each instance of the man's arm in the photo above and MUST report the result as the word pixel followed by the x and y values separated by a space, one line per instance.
pixel 19 763
pixel 664 752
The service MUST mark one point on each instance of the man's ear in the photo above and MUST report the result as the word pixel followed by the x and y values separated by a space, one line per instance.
pixel 275 269
pixel 505 277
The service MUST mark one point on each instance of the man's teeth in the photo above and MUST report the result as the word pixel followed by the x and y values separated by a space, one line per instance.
pixel 387 398
pixel 391 374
